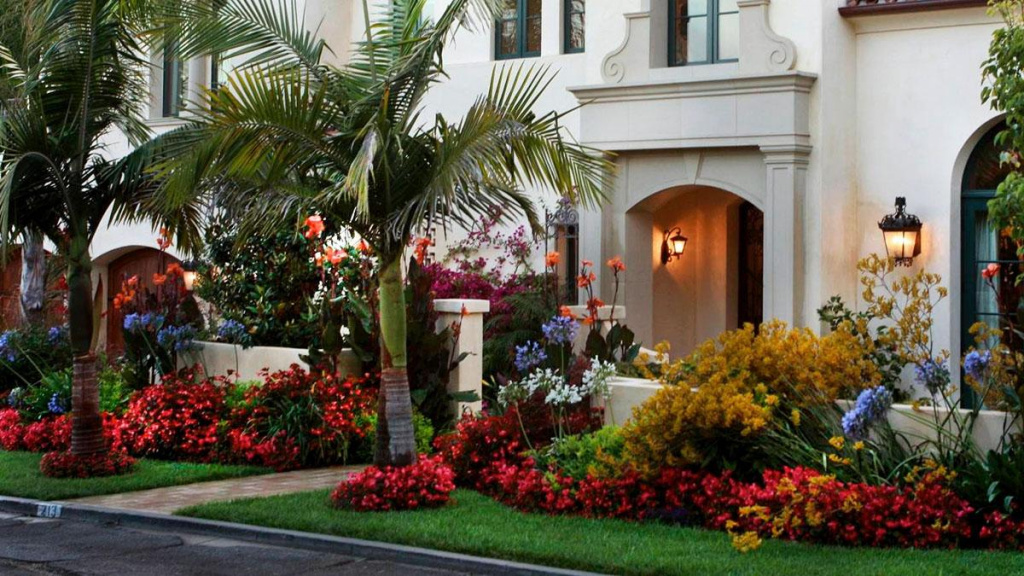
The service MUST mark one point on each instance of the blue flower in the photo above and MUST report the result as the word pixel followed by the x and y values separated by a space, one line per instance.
pixel 233 331
pixel 561 330
pixel 57 335
pixel 177 338
pixel 148 322
pixel 8 350
pixel 871 407
pixel 529 356
pixel 56 406
pixel 932 375
pixel 14 398
pixel 976 364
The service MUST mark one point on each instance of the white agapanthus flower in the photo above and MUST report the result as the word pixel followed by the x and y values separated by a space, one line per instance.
pixel 595 379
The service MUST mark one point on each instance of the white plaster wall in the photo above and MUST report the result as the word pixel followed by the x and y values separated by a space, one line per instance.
pixel 917 106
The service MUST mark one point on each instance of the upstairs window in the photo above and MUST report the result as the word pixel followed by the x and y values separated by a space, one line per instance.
pixel 518 30
pixel 575 26
pixel 703 31
pixel 175 85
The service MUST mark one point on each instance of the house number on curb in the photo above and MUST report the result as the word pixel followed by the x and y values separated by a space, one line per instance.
pixel 48 511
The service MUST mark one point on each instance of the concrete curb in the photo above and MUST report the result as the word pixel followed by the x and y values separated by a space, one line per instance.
pixel 275 537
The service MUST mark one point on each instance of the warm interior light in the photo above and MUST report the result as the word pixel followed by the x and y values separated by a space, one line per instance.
pixel 189 277
pixel 902 234
pixel 673 245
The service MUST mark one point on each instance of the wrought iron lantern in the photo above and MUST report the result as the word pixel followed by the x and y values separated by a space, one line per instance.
pixel 902 234
pixel 673 246
pixel 190 274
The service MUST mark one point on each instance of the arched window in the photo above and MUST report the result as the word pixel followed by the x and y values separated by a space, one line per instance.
pixel 703 31
pixel 983 245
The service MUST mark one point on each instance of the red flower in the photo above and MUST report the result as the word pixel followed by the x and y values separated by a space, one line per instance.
pixel 617 265
pixel 990 271
pixel 552 259
pixel 315 227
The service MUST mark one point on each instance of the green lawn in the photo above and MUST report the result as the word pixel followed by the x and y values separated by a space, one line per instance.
pixel 20 476
pixel 477 525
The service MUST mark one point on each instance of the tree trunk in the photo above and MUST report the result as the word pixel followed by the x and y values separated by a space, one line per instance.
pixel 396 441
pixel 86 421
pixel 33 278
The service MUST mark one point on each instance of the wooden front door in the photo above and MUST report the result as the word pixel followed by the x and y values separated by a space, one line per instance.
pixel 750 308
pixel 144 263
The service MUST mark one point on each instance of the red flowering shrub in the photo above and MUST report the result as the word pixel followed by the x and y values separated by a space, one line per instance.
pixel 426 484
pixel 48 435
pixel 174 420
pixel 67 465
pixel 478 443
pixel 297 418
pixel 11 430
pixel 794 504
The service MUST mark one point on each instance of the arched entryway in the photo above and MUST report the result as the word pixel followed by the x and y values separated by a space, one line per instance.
pixel 718 283
pixel 142 262
pixel 982 245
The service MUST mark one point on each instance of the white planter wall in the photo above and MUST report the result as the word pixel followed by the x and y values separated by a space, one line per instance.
pixel 219 359
pixel 628 393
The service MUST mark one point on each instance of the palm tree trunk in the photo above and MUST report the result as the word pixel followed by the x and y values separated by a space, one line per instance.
pixel 396 441
pixel 33 278
pixel 86 421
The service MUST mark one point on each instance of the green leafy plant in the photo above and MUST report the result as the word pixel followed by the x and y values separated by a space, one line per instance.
pixel 597 454
pixel 262 281
pixel 421 425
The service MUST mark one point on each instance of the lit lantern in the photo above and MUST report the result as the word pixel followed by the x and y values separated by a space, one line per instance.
pixel 673 245
pixel 189 276
pixel 902 233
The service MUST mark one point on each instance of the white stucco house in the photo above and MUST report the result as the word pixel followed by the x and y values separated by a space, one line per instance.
pixel 773 134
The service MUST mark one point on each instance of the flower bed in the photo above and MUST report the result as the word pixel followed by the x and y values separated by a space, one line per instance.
pixel 426 484
pixel 293 419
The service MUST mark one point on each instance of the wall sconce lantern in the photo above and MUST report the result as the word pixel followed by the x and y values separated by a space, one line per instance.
pixel 673 245
pixel 190 274
pixel 902 233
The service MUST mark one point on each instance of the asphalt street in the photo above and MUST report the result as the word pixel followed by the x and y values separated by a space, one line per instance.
pixel 33 547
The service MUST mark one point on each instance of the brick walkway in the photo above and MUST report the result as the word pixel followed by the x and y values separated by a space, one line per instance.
pixel 167 500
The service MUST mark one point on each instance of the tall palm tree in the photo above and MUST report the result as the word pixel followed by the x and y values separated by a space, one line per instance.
pixel 289 131
pixel 79 77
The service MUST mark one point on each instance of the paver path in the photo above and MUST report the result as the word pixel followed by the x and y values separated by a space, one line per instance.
pixel 167 500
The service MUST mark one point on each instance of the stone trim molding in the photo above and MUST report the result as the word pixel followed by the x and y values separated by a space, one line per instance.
pixel 761 49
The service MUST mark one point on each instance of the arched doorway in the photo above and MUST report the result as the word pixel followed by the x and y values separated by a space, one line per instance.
pixel 144 263
pixel 982 245
pixel 717 285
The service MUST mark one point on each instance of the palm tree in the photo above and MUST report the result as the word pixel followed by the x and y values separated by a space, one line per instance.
pixel 289 132
pixel 78 78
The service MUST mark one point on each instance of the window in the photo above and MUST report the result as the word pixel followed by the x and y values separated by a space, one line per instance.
pixel 703 31
pixel 175 85
pixel 518 30
pixel 983 245
pixel 575 26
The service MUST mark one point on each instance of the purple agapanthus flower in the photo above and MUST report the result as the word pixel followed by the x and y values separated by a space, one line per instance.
pixel 561 330
pixel 932 375
pixel 871 406
pixel 529 356
pixel 56 405
pixel 177 338
pixel 976 364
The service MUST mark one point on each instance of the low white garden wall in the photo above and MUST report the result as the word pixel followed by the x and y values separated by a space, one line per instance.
pixel 218 359
pixel 628 393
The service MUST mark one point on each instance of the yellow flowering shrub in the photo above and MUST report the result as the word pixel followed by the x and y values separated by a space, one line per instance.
pixel 716 401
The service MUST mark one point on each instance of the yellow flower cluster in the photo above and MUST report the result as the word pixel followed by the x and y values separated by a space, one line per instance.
pixel 746 542
pixel 727 391
pixel 909 302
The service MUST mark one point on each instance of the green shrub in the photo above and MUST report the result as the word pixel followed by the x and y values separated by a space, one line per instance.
pixel 28 353
pixel 114 391
pixel 50 396
pixel 597 453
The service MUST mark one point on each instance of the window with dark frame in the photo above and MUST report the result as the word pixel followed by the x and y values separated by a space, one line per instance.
pixel 575 26
pixel 175 83
pixel 703 32
pixel 518 30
